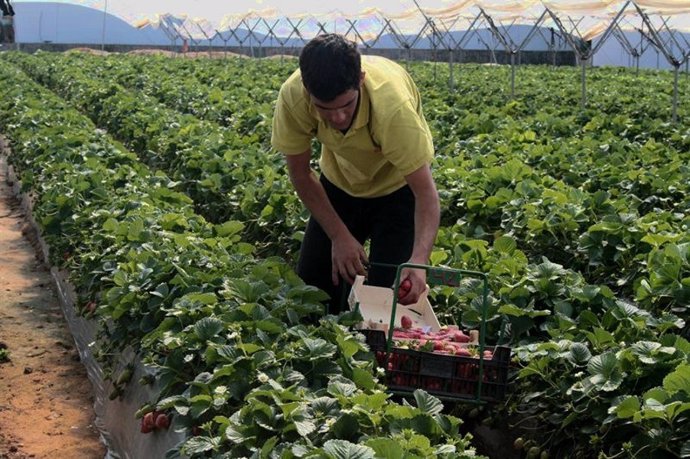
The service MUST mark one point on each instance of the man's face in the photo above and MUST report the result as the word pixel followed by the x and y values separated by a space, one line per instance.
pixel 339 112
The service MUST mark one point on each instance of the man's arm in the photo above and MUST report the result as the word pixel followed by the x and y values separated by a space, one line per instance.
pixel 347 254
pixel 427 215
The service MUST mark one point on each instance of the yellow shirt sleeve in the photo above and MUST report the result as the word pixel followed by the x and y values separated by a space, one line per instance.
pixel 293 127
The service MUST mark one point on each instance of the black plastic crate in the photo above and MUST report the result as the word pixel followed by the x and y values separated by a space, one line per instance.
pixel 462 378
pixel 447 376
pixel 376 339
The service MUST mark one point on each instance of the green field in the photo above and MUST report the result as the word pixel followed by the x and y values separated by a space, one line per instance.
pixel 157 190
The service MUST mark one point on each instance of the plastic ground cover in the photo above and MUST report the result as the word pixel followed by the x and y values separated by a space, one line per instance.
pixel 115 419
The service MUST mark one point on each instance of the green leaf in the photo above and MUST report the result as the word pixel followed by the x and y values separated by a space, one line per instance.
pixel 511 310
pixel 363 378
pixel 203 298
pixel 341 387
pixel 606 372
pixel 342 449
pixel 599 337
pixel 505 244
pixel 316 349
pixel 385 448
pixel 627 408
pixel 304 425
pixel 346 427
pixel 445 449
pixel 678 380
pixel 646 351
pixel 325 406
pixel 229 228
pixel 200 404
pixel 199 445
pixel 656 393
pixel 235 434
pixel 208 327
pixel 579 353
pixel 268 446
pixel 348 346
pixel 250 348
pixel 674 409
pixel 437 257
pixel 371 402
pixel 428 404
pixel 111 225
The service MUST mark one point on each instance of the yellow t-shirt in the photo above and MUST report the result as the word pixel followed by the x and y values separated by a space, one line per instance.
pixel 389 137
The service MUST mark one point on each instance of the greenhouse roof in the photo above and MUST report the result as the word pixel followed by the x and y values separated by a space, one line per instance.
pixel 203 19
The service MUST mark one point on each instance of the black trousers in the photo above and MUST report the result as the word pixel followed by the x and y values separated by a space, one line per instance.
pixel 386 221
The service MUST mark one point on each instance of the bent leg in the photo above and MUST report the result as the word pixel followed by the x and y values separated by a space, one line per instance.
pixel 392 234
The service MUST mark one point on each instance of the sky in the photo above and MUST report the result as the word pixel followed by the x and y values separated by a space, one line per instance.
pixel 210 9
pixel 215 10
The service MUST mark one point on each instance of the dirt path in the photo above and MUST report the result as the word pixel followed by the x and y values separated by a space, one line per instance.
pixel 46 403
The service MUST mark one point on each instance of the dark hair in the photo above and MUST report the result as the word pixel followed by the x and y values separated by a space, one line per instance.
pixel 330 65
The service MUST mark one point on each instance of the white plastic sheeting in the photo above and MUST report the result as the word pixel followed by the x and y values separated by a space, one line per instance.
pixel 409 15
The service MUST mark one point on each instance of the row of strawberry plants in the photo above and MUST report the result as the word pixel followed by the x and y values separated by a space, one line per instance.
pixel 229 102
pixel 227 176
pixel 545 278
pixel 605 364
pixel 239 370
pixel 542 296
pixel 602 205
pixel 564 214
pixel 543 213
pixel 85 96
pixel 542 152
pixel 551 214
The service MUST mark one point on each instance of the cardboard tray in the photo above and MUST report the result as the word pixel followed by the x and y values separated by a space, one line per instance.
pixel 375 305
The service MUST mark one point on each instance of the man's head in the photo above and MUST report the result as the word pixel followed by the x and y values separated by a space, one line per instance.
pixel 331 69
pixel 330 65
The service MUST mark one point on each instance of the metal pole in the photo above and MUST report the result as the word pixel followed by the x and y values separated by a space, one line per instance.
pixel 584 82
pixel 552 47
pixel 450 65
pixel 512 75
pixel 105 15
pixel 675 93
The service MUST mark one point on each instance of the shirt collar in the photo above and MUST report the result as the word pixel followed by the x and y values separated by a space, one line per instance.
pixel 362 116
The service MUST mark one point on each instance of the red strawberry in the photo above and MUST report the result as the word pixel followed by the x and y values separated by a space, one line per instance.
pixel 148 422
pixel 406 322
pixel 162 421
pixel 91 307
pixel 462 351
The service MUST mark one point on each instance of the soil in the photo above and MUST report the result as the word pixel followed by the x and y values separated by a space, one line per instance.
pixel 46 401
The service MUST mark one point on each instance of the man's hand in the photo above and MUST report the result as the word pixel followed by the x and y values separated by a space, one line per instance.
pixel 348 258
pixel 412 285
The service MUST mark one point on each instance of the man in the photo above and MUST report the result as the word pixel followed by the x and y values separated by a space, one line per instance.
pixel 376 181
